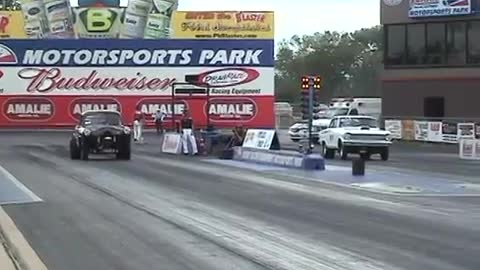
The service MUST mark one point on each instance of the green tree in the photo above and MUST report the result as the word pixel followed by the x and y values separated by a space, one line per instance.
pixel 348 63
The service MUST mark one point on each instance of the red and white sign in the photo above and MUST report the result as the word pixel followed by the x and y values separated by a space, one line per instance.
pixel 228 109
pixel 55 96
pixel 28 109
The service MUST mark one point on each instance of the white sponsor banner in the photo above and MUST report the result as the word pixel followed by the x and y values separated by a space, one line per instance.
pixel 154 81
pixel 172 143
pixel 466 131
pixel 469 149
pixel 394 127
pixel 421 131
pixel 436 8
pixel 435 132
pixel 450 132
pixel 259 138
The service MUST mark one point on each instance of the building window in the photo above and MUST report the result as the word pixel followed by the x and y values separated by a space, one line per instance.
pixel 474 42
pixel 456 43
pixel 416 44
pixel 436 47
pixel 396 40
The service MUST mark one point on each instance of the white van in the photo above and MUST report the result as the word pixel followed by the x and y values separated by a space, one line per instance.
pixel 371 106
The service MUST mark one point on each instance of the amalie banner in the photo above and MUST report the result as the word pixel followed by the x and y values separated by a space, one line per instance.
pixel 48 84
pixel 226 24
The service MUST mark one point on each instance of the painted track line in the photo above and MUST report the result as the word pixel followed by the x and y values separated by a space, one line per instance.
pixel 19 185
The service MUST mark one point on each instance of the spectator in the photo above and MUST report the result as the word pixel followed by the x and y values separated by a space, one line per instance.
pixel 159 119
pixel 238 136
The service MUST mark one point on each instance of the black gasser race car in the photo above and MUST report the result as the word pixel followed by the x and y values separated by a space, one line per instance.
pixel 100 132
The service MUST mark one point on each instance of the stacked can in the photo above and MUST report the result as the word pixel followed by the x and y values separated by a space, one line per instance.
pixel 36 22
pixel 59 19
pixel 135 20
pixel 158 21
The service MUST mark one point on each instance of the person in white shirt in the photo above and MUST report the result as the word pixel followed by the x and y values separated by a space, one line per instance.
pixel 159 118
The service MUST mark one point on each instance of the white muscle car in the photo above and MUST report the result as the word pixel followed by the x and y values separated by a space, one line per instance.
pixel 354 134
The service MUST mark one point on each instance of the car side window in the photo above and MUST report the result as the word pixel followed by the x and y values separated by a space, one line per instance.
pixel 333 123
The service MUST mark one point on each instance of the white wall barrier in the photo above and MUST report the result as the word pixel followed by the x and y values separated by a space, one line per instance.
pixel 432 131
pixel 172 143
pixel 469 149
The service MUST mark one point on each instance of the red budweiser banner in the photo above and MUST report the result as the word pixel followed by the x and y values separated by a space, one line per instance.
pixel 49 84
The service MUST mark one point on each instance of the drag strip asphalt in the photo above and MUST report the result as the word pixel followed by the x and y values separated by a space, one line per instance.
pixel 174 212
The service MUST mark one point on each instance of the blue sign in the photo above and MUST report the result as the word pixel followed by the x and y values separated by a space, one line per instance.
pixel 136 53
pixel 436 8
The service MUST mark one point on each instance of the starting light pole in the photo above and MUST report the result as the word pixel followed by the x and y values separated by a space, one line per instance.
pixel 310 85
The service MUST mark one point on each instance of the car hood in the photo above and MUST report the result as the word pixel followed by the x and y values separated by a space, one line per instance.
pixel 322 122
pixel 366 131
pixel 102 129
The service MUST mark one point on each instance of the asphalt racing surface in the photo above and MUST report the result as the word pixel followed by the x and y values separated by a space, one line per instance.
pixel 160 212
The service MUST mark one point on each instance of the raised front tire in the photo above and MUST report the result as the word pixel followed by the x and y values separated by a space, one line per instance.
pixel 342 151
pixel 385 154
pixel 84 151
pixel 327 153
pixel 74 150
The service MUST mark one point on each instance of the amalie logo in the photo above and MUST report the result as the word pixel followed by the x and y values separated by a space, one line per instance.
pixel 149 106
pixel 28 109
pixel 228 77
pixel 228 109
pixel 81 105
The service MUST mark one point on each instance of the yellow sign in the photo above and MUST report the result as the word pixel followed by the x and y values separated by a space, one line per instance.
pixel 12 25
pixel 226 24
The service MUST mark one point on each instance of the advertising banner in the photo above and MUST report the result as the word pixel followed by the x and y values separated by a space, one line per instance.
pixel 435 132
pixel 469 149
pixel 35 19
pixel 12 25
pixel 466 131
pixel 449 132
pixel 46 83
pixel 395 128
pixel 172 143
pixel 159 19
pixel 135 19
pixel 436 8
pixel 259 139
pixel 59 19
pixel 226 24
pixel 421 131
pixel 97 23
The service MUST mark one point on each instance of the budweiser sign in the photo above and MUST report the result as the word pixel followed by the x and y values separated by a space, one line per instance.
pixel 47 80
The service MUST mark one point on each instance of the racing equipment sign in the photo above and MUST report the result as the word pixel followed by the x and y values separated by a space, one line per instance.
pixel 56 81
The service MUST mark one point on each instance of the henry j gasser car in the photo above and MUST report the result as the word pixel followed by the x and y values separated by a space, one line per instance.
pixel 100 132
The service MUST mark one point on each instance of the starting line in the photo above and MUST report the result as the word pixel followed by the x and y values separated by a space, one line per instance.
pixel 379 181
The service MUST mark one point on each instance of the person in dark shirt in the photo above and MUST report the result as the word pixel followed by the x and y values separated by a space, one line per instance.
pixel 238 136
pixel 187 121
